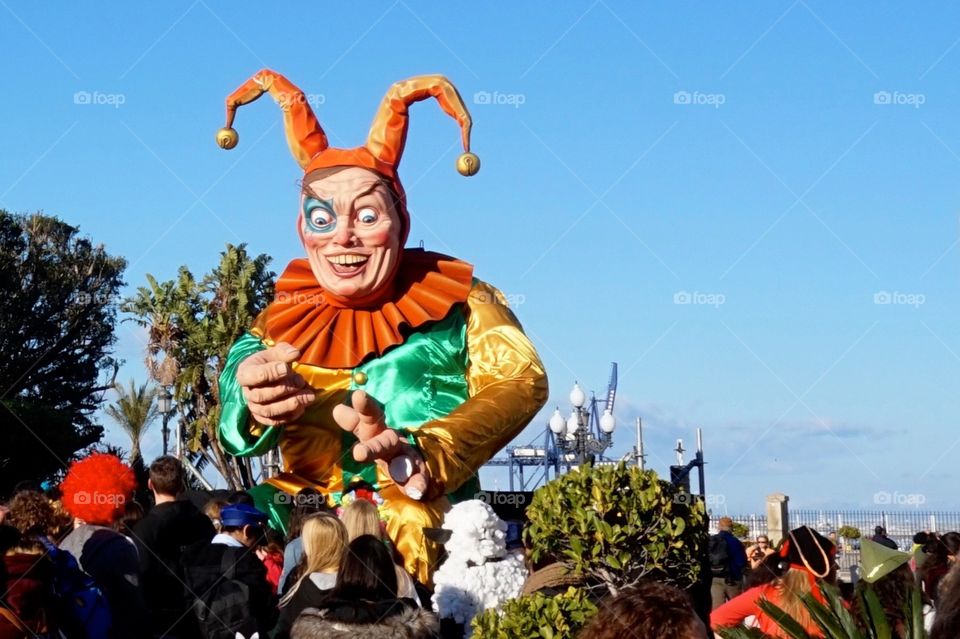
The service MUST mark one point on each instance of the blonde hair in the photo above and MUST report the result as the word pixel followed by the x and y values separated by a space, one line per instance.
pixel 324 541
pixel 361 518
pixel 790 587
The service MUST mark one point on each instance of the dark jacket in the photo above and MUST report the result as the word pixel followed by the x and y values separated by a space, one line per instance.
pixel 111 559
pixel 202 566
pixel 161 537
pixel 394 619
pixel 308 595
pixel 883 540
pixel 736 553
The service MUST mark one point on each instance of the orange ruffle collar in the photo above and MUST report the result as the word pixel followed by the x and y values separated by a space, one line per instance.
pixel 329 335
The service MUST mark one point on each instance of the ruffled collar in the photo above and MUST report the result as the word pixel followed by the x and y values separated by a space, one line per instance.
pixel 329 335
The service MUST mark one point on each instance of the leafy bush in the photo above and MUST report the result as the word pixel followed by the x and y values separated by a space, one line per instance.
pixel 849 532
pixel 617 524
pixel 740 531
pixel 538 616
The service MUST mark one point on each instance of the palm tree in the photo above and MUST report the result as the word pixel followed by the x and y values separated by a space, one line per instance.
pixel 134 411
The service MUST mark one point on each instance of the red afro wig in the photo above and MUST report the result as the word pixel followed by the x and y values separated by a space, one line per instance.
pixel 97 488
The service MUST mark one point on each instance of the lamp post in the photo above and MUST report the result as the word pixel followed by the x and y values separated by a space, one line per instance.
pixel 165 406
pixel 575 433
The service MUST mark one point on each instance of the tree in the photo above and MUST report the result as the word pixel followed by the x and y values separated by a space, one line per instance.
pixel 58 307
pixel 191 326
pixel 134 411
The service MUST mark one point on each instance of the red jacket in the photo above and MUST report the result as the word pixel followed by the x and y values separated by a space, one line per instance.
pixel 29 596
pixel 734 612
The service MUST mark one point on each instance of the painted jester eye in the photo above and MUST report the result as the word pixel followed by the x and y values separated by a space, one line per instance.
pixel 319 216
pixel 368 215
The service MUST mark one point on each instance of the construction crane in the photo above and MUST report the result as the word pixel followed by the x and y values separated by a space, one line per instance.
pixel 546 454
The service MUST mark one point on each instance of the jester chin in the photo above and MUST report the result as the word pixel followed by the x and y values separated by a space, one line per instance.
pixel 375 363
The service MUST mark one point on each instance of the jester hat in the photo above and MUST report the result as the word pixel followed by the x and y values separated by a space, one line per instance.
pixel 385 142
pixel 97 488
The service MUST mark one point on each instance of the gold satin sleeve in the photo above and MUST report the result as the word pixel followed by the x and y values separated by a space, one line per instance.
pixel 507 385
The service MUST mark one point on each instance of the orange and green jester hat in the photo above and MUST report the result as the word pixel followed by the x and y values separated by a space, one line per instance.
pixel 374 363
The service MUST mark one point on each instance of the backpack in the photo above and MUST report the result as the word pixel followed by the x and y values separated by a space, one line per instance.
pixel 224 609
pixel 82 607
pixel 719 556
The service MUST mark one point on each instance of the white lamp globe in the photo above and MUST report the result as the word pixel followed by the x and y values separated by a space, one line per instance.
pixel 577 397
pixel 572 423
pixel 557 422
pixel 607 421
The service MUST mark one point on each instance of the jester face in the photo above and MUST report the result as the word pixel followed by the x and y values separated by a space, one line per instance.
pixel 350 229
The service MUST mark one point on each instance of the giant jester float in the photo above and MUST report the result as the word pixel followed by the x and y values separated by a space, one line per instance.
pixel 374 362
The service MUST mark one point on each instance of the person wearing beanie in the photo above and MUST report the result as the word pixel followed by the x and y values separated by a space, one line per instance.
pixel 807 558
pixel 374 362
pixel 225 584
pixel 95 493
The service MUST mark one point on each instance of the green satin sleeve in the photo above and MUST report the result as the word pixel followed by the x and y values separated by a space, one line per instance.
pixel 235 432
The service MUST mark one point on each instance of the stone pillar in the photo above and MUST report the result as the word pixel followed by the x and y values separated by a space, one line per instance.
pixel 778 517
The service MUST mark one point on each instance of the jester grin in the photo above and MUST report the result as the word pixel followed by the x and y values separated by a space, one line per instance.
pixel 347 264
pixel 348 259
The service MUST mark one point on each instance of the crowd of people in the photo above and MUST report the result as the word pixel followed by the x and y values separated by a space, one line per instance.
pixel 85 559
pixel 745 574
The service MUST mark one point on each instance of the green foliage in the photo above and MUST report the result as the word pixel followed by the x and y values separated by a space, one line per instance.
pixel 617 524
pixel 134 411
pixel 191 325
pixel 537 616
pixel 849 532
pixel 58 308
pixel 740 531
pixel 835 620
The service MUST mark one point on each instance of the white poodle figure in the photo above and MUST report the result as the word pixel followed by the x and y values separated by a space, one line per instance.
pixel 479 573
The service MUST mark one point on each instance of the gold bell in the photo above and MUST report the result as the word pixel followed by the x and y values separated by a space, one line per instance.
pixel 227 138
pixel 360 378
pixel 468 164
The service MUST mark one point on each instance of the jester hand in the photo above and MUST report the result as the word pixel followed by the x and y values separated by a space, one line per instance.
pixel 274 392
pixel 380 443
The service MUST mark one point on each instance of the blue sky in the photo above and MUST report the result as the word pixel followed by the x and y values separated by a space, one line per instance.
pixel 785 167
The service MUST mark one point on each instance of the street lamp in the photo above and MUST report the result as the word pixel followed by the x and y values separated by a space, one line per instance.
pixel 165 406
pixel 576 434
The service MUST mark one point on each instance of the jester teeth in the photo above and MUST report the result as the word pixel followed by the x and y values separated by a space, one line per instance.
pixel 347 259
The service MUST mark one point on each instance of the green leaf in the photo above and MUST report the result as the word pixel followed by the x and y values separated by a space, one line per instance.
pixel 788 624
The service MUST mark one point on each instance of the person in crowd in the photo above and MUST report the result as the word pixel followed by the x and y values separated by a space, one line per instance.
pixel 880 536
pixel 728 559
pixel 893 590
pixel 170 526
pixel 226 584
pixel 759 551
pixel 28 607
pixel 305 503
pixel 212 511
pixel 324 539
pixel 807 558
pixel 95 492
pixel 364 601
pixel 946 621
pixel 271 554
pixel 361 517
pixel 649 610
pixel 941 554
pixel 132 515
